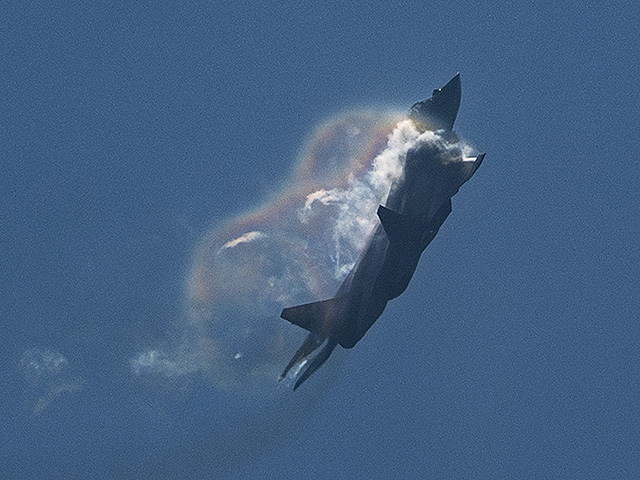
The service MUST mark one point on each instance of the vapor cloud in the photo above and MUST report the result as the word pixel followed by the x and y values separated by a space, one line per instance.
pixel 48 375
pixel 294 250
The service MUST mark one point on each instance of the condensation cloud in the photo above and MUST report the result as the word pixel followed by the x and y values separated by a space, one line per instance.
pixel 48 376
pixel 295 249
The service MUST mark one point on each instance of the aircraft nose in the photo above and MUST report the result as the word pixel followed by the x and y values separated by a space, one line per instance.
pixel 451 92
pixel 454 83
pixel 439 111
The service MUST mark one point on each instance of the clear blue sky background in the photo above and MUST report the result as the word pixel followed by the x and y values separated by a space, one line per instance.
pixel 129 128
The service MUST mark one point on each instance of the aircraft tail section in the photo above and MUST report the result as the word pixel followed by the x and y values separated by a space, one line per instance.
pixel 323 354
pixel 316 317
pixel 310 357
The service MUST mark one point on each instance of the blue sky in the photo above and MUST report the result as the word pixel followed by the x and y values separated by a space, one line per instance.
pixel 131 129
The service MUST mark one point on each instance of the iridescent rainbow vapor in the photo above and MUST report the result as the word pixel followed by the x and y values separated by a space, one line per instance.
pixel 339 151
pixel 297 246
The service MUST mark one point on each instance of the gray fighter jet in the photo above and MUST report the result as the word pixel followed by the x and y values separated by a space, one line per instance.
pixel 417 205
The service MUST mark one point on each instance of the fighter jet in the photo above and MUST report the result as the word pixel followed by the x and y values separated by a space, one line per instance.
pixel 416 207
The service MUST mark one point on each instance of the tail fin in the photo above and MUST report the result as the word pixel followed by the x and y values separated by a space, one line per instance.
pixel 310 356
pixel 323 354
pixel 311 343
pixel 316 317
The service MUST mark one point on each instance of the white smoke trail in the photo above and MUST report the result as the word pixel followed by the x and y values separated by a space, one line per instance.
pixel 355 206
pixel 48 375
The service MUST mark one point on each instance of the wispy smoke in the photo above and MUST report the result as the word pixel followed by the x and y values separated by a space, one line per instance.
pixel 247 237
pixel 352 209
pixel 48 375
